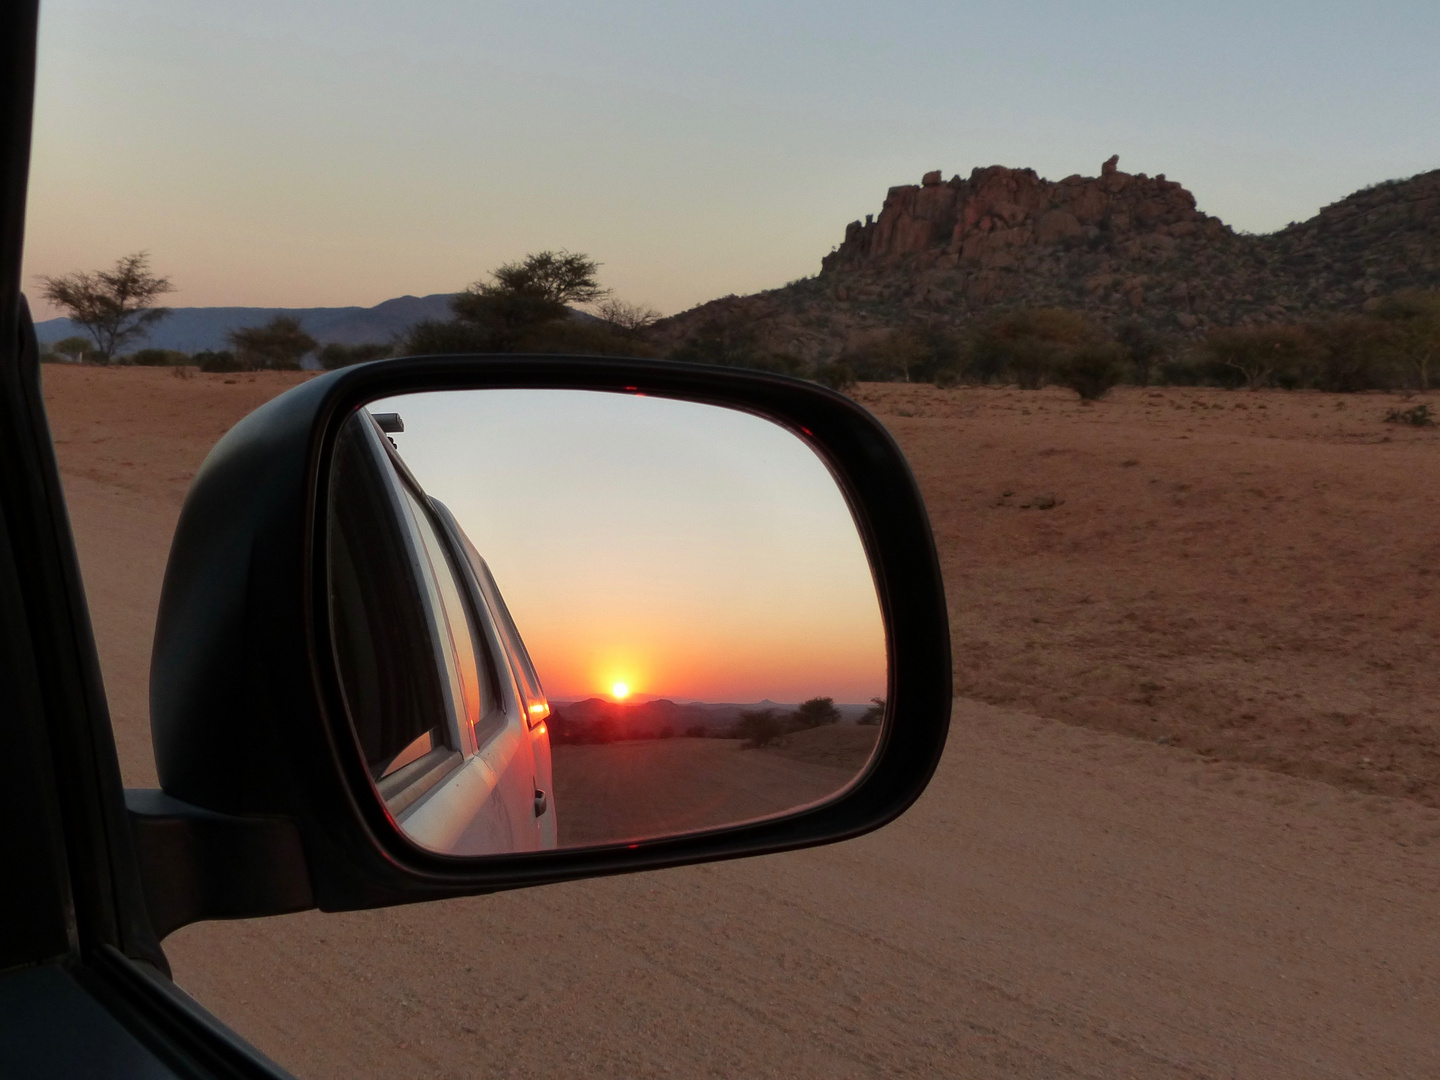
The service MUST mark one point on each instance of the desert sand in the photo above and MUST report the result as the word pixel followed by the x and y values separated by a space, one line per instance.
pixel 1185 826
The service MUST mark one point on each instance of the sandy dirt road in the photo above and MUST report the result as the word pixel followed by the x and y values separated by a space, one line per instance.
pixel 652 787
pixel 1064 900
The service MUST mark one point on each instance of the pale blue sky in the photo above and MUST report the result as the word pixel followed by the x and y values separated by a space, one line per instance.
pixel 343 153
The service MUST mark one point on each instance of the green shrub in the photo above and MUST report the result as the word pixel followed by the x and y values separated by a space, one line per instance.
pixel 779 363
pixel 1353 353
pixel 724 337
pixel 336 355
pixel 1028 345
pixel 76 349
pixel 837 374
pixel 1091 371
pixel 1181 371
pixel 433 338
pixel 915 352
pixel 212 361
pixel 278 345
pixel 817 712
pixel 1260 353
pixel 1144 349
pixel 1413 319
pixel 758 727
pixel 1416 416
pixel 581 337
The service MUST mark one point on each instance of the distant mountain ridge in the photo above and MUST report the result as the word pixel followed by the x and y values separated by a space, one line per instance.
pixel 195 329
pixel 1116 246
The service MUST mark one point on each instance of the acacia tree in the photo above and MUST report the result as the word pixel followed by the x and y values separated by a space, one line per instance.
pixel 562 277
pixel 114 306
pixel 1258 352
pixel 528 306
pixel 816 712
pixel 281 343
pixel 522 295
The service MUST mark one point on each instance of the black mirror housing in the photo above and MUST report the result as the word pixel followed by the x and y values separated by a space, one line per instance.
pixel 248 718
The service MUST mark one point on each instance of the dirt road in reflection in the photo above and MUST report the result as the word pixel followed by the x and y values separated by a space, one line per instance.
pixel 650 787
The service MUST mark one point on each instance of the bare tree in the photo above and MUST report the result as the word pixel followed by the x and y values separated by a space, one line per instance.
pixel 626 318
pixel 114 306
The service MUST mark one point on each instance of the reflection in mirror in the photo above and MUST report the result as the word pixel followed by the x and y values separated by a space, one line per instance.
pixel 688 635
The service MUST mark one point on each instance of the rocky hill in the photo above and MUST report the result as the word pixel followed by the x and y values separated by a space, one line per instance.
pixel 1118 246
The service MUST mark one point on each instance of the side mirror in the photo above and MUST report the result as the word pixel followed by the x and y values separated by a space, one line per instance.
pixel 721 632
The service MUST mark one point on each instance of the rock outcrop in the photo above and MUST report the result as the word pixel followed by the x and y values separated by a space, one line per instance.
pixel 998 216
pixel 1118 246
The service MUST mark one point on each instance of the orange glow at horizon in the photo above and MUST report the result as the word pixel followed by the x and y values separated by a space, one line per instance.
pixel 700 648
pixel 698 660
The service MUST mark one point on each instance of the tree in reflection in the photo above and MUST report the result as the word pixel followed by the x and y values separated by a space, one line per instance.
pixel 758 727
pixel 817 712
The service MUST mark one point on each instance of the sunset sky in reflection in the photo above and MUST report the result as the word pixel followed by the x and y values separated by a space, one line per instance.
pixel 683 550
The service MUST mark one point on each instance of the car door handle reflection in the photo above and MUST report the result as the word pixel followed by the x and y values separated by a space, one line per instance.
pixel 540 802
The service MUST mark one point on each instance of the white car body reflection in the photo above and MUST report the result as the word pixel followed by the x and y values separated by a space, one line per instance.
pixel 461 755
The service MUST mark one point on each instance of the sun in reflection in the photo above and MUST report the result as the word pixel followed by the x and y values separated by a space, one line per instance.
pixel 620 691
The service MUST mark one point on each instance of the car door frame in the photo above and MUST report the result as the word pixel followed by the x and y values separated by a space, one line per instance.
pixel 83 981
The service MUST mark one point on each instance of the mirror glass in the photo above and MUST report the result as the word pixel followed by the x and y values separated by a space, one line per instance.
pixel 569 618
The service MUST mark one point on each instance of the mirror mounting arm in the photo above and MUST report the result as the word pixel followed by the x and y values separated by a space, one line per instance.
pixel 198 864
